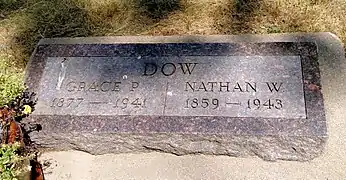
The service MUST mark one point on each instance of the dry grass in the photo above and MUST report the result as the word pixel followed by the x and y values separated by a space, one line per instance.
pixel 24 22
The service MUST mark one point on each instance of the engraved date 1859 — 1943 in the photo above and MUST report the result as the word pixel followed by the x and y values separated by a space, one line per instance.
pixel 215 103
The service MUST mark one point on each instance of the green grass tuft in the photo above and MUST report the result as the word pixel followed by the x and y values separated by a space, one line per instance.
pixel 11 83
pixel 12 165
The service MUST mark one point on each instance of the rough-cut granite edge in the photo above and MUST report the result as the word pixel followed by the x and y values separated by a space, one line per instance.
pixel 270 148
pixel 287 147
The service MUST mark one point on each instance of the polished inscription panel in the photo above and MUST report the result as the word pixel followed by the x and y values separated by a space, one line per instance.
pixel 230 86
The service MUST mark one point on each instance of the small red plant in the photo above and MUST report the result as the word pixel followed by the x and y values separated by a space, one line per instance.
pixel 13 130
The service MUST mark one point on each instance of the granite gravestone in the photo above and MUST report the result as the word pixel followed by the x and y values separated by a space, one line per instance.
pixel 179 95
